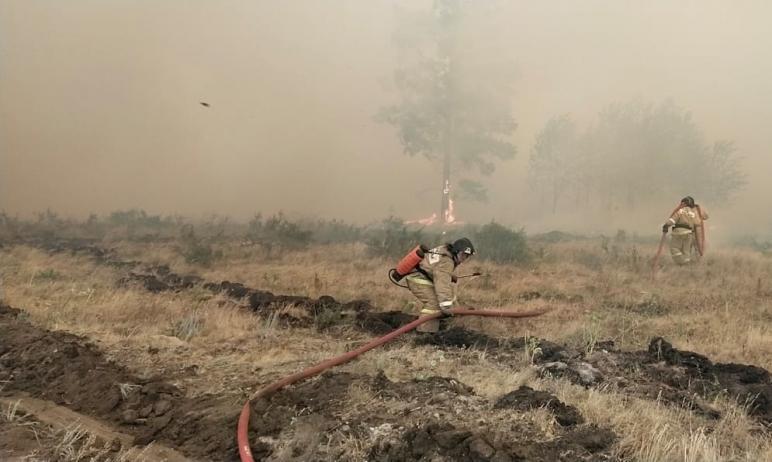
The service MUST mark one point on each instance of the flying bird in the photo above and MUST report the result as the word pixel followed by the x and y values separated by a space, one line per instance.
pixel 203 104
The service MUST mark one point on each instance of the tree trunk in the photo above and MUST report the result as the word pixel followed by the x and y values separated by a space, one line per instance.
pixel 445 202
pixel 447 156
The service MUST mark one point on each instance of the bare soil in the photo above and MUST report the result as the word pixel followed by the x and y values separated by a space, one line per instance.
pixel 69 371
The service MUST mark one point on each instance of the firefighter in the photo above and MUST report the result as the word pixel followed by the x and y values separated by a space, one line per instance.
pixel 688 232
pixel 433 281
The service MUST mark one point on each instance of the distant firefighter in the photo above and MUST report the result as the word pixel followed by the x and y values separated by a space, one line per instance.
pixel 687 223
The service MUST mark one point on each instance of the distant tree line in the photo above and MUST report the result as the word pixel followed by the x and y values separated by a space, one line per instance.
pixel 633 155
pixel 201 241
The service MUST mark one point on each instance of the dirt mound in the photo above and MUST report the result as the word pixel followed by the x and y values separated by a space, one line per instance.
pixel 696 373
pixel 153 283
pixel 432 440
pixel 433 389
pixel 664 373
pixel 526 398
pixel 71 372
pixel 271 415
pixel 427 442
pixel 322 313
pixel 87 247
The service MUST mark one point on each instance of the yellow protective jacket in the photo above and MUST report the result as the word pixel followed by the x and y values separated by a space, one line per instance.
pixel 686 219
pixel 439 266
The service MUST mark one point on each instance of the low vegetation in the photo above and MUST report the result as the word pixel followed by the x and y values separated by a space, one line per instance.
pixel 597 289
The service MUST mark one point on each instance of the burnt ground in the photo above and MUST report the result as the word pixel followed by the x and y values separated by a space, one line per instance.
pixel 438 418
pixel 675 377
pixel 661 372
pixel 69 371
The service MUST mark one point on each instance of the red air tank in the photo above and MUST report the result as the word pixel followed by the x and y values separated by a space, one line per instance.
pixel 409 262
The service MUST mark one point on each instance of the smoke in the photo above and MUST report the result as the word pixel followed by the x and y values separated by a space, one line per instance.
pixel 100 102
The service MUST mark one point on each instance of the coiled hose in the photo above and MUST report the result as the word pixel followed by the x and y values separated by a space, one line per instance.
pixel 242 436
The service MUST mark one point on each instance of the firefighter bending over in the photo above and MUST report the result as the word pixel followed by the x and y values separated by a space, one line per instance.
pixel 433 281
pixel 688 232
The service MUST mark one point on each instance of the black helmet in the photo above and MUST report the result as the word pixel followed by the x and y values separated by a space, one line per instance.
pixel 462 245
pixel 688 200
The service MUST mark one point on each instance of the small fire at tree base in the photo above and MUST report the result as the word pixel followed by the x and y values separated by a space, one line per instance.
pixel 447 213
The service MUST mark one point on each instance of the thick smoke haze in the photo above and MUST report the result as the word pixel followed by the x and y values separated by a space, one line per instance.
pixel 100 102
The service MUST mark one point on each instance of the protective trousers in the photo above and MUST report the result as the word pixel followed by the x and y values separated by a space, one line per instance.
pixel 681 247
pixel 423 289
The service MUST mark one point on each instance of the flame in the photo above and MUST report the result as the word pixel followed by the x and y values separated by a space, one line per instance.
pixel 424 221
pixel 449 217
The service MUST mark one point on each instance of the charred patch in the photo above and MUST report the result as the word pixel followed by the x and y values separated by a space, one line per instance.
pixel 526 398
pixel 675 377
pixel 445 441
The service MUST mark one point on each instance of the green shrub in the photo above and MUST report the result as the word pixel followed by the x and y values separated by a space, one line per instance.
pixel 392 238
pixel 500 244
pixel 277 231
pixel 195 250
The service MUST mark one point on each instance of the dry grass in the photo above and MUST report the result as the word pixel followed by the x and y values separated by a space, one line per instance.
pixel 653 432
pixel 228 347
pixel 721 308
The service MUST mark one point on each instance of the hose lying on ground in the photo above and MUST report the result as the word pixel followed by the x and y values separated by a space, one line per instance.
pixel 245 452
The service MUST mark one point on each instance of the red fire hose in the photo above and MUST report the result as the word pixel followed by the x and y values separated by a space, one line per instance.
pixel 245 452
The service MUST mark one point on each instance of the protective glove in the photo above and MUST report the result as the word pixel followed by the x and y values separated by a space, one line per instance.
pixel 446 313
pixel 666 228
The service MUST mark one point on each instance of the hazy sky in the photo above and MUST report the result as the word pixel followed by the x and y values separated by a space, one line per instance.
pixel 99 100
